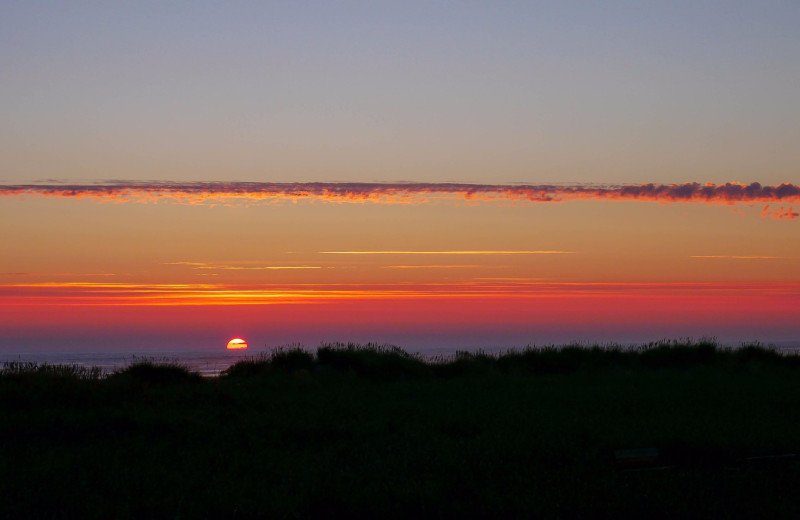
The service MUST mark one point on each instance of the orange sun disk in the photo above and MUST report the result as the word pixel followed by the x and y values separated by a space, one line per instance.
pixel 237 344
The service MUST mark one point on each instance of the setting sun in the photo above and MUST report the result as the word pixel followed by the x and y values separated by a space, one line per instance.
pixel 237 344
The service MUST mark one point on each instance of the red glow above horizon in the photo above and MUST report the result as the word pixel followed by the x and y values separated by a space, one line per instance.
pixel 408 315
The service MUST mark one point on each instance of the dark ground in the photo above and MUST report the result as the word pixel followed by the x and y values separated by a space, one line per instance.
pixel 372 431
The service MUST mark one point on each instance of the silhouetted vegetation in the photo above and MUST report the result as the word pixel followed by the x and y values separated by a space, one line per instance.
pixel 283 360
pixel 376 362
pixel 157 372
pixel 388 362
pixel 670 429
pixel 29 370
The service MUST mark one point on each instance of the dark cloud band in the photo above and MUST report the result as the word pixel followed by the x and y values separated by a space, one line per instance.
pixel 200 192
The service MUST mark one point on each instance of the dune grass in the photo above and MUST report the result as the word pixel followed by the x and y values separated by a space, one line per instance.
pixel 388 362
pixel 30 370
pixel 369 430
pixel 156 371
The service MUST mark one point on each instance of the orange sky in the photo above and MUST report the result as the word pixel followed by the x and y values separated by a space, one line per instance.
pixel 436 273
pixel 424 173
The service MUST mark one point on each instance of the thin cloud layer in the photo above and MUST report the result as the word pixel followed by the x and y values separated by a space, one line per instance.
pixel 387 193
pixel 781 213
pixel 739 257
pixel 50 294
pixel 446 252
pixel 436 266
pixel 225 267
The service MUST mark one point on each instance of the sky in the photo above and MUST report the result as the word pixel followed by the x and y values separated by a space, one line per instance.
pixel 427 174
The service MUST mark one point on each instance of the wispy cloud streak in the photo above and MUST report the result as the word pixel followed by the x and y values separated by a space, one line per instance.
pixel 412 192
pixel 739 257
pixel 130 294
pixel 781 213
pixel 435 266
pixel 222 267
pixel 446 252
pixel 78 275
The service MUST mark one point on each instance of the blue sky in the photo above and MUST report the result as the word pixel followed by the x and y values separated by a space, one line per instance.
pixel 553 93
pixel 431 91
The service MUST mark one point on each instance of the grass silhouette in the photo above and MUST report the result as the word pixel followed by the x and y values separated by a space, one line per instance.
pixel 157 372
pixel 30 370
pixel 370 430
pixel 387 362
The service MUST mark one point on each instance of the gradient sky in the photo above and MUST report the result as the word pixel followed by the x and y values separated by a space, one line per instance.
pixel 145 99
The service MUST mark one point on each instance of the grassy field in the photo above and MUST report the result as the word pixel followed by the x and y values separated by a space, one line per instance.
pixel 367 430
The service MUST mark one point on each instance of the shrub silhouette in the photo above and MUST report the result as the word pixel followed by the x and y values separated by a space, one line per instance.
pixel 290 360
pixel 284 360
pixel 372 361
pixel 467 364
pixel 158 373
pixel 753 353
pixel 247 368
pixel 675 354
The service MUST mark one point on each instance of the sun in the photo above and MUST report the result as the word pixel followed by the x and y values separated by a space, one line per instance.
pixel 237 344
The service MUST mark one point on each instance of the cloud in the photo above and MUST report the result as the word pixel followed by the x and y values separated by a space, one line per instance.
pixel 57 274
pixel 739 257
pixel 446 252
pixel 129 294
pixel 410 192
pixel 436 266
pixel 260 267
pixel 515 279
pixel 237 267
pixel 781 213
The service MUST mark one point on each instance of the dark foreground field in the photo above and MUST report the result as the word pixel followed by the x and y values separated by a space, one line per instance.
pixel 368 431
